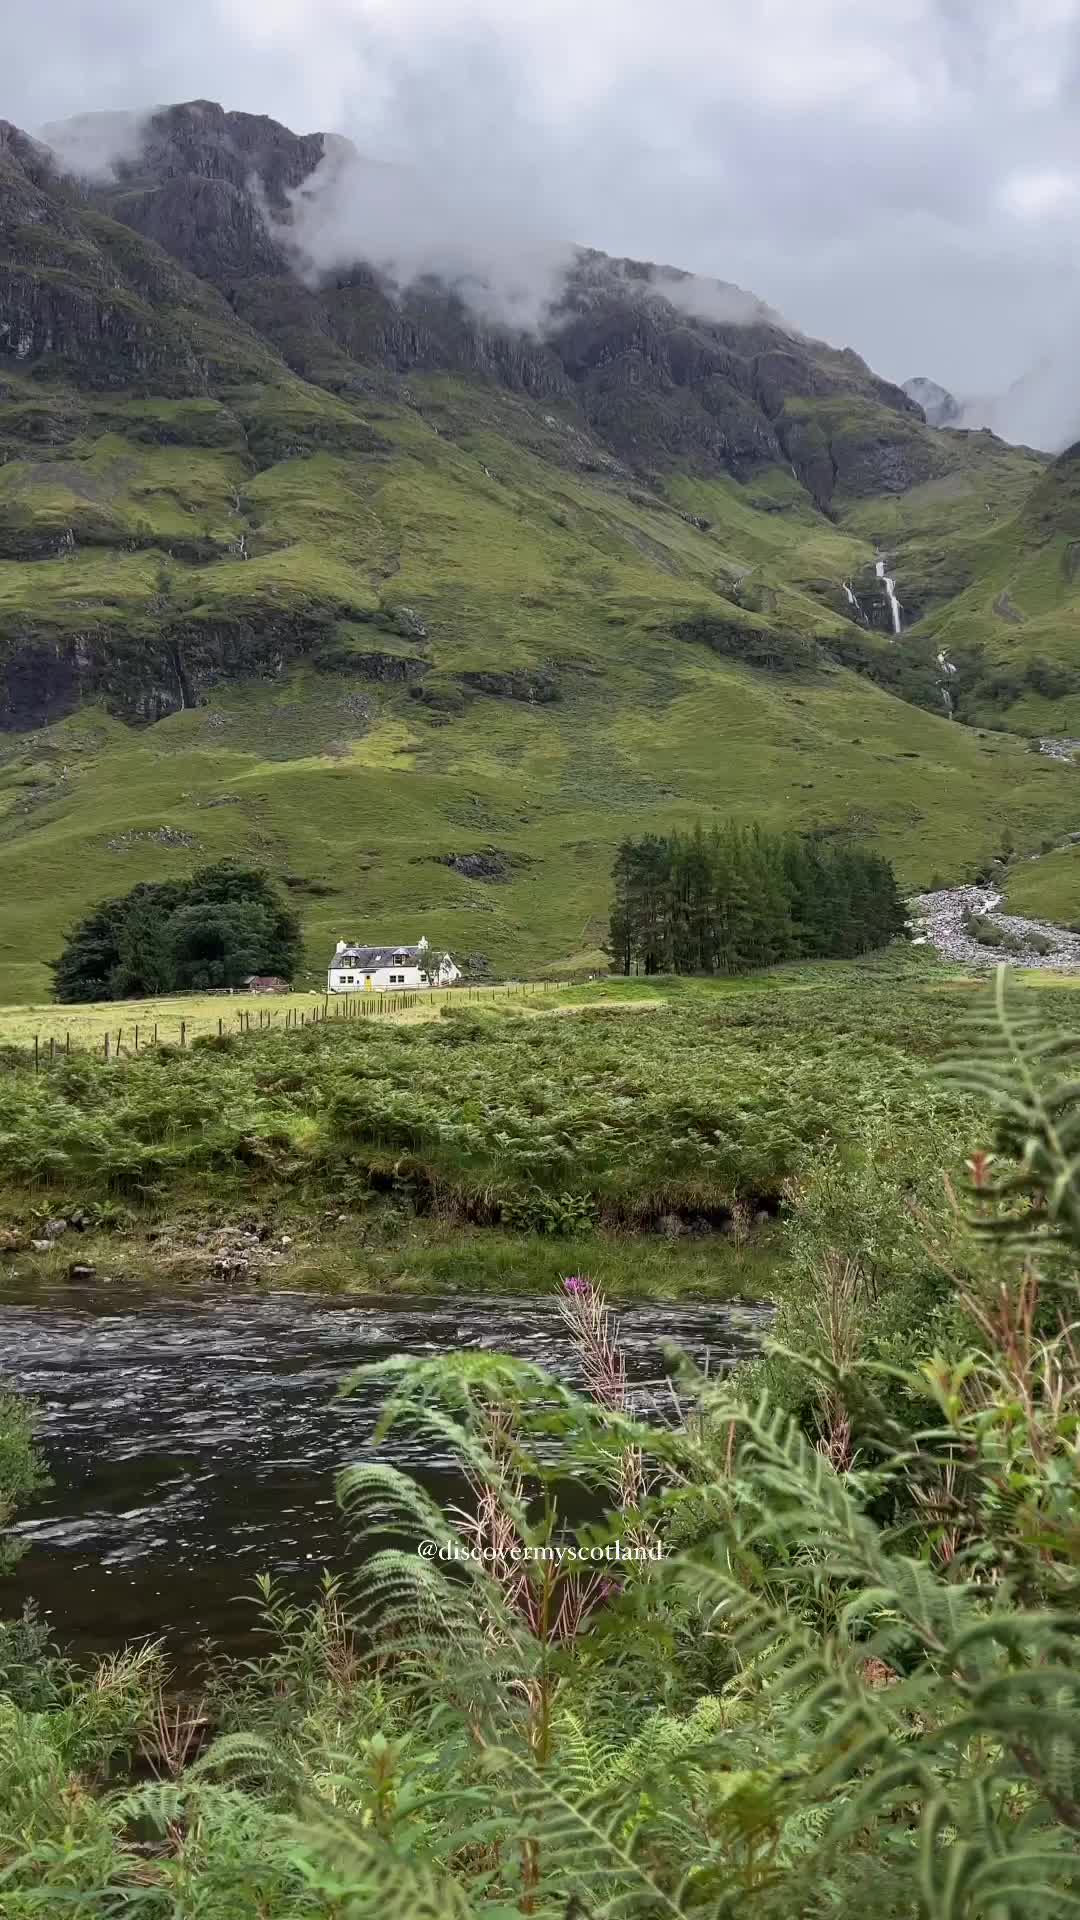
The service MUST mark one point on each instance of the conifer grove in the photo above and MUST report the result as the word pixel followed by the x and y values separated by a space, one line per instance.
pixel 738 897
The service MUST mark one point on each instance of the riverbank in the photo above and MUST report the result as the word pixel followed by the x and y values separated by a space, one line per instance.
pixel 487 1148
pixel 383 1250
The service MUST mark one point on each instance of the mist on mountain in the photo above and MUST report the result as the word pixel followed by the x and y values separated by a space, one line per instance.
pixel 1041 409
pixel 94 146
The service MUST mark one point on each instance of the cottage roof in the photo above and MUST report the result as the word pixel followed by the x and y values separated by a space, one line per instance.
pixel 373 956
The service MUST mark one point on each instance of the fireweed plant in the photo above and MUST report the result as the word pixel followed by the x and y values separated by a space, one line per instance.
pixel 850 1687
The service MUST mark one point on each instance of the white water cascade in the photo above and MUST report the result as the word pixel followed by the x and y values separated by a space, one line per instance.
pixel 889 585
pixel 947 667
pixel 853 599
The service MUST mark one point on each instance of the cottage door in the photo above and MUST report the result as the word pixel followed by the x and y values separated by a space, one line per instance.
pixel 367 983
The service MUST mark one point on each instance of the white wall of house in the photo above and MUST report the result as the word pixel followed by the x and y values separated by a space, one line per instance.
pixel 383 979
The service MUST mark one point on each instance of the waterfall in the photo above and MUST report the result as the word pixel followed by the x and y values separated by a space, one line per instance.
pixel 947 667
pixel 853 599
pixel 889 585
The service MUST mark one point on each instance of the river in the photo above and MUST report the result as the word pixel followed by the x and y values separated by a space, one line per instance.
pixel 193 1436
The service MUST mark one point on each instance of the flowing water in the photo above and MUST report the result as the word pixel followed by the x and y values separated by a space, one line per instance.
pixel 853 598
pixel 947 667
pixel 889 585
pixel 193 1436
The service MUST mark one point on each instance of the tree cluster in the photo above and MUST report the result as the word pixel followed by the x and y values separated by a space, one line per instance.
pixel 177 936
pixel 736 898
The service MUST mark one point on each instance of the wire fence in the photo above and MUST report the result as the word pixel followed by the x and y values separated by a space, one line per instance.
pixel 126 1040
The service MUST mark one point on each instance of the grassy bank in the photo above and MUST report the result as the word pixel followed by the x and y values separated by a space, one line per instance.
pixel 486 1145
pixel 649 1130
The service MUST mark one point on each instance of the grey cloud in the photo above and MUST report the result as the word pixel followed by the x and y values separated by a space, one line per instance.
pixel 408 227
pixel 94 145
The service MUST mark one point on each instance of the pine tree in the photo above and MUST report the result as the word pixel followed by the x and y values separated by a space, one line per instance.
pixel 742 897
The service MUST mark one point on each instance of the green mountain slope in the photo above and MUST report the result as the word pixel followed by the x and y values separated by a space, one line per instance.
pixel 430 617
pixel 988 563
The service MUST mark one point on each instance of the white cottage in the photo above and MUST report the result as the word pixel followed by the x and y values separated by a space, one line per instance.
pixel 356 969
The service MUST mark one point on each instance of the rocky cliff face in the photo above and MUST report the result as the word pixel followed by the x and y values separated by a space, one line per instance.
pixel 204 185
pixel 82 300
pixel 657 384
pixel 145 674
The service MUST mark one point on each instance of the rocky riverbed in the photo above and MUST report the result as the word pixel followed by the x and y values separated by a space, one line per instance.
pixel 1062 748
pixel 939 918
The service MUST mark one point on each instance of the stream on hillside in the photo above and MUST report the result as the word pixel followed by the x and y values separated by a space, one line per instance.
pixel 193 1436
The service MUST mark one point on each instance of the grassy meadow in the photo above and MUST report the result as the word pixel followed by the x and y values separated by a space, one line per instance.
pixel 168 1018
pixel 1048 888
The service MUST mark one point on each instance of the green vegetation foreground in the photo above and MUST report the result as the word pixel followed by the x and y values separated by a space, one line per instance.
pixel 707 1101
pixel 818 1653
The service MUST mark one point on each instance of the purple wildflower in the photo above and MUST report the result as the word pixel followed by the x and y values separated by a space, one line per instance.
pixel 577 1283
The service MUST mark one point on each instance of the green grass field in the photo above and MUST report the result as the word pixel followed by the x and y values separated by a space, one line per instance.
pixel 1048 888
pixel 477 549
pixel 991 551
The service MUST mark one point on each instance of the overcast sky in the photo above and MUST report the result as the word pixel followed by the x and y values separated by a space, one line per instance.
pixel 901 176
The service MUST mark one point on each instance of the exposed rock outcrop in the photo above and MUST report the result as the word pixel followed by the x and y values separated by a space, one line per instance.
pixel 535 687
pixel 144 675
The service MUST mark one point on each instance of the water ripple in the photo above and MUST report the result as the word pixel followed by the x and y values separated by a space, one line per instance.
pixel 193 1438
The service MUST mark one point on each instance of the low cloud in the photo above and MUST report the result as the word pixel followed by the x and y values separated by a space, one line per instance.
pixel 354 211
pixel 1041 409
pixel 94 146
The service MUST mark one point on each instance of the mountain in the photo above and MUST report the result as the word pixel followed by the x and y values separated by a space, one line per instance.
pixel 429 611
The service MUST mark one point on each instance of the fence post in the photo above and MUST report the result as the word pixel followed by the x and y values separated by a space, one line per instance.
pixel 67 1042
pixel 136 1037
pixel 219 1026
pixel 35 1053
pixel 155 1033
pixel 106 1043
pixel 183 1033
pixel 52 1049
